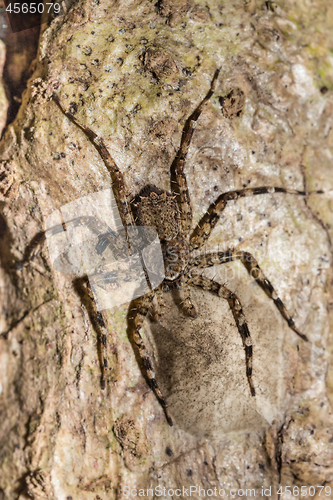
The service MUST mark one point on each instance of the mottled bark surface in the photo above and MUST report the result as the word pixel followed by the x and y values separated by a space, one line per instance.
pixel 133 72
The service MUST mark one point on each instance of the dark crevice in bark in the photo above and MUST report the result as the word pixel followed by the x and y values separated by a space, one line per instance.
pixel 21 51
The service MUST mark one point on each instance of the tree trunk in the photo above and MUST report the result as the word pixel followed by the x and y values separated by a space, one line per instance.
pixel 133 72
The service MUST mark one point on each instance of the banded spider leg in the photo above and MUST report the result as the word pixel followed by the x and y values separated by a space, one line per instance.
pixel 199 237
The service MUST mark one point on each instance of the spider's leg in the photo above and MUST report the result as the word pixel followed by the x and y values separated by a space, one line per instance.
pixel 236 309
pixel 118 183
pixel 94 224
pixel 252 266
pixel 143 305
pixel 204 228
pixel 178 178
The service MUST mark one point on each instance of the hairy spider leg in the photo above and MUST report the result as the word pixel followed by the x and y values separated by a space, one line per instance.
pixel 252 266
pixel 206 225
pixel 236 309
pixel 178 177
pixel 118 183
pixel 102 230
pixel 143 306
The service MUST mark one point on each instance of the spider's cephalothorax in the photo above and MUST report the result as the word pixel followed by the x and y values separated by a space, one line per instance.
pixel 170 214
pixel 158 209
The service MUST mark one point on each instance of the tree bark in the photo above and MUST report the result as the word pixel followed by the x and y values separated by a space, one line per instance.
pixel 133 72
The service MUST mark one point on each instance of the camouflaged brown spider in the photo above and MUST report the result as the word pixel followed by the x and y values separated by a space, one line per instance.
pixel 170 214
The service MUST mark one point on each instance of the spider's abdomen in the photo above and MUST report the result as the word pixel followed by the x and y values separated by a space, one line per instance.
pixel 175 255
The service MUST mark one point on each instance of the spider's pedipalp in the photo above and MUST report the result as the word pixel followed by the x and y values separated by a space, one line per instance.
pixel 252 266
pixel 237 311
pixel 187 303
